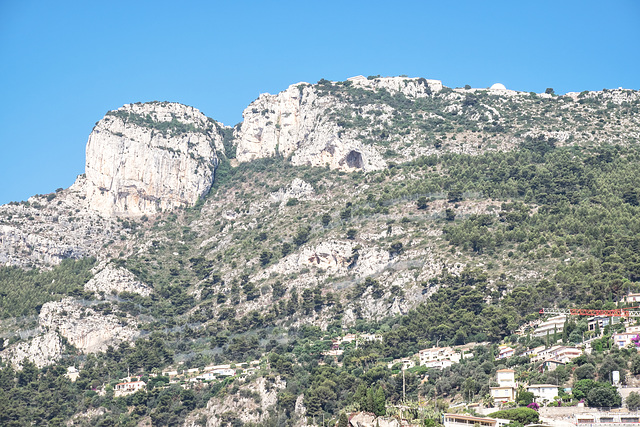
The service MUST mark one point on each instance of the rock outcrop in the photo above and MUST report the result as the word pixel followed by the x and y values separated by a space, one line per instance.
pixel 301 122
pixel 295 123
pixel 250 405
pixel 50 228
pixel 84 327
pixel 110 279
pixel 298 189
pixel 42 350
pixel 146 158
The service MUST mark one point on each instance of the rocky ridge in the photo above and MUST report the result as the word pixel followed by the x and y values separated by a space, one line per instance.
pixel 146 158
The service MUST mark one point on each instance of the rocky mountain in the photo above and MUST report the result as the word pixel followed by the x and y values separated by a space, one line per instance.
pixel 374 204
pixel 146 158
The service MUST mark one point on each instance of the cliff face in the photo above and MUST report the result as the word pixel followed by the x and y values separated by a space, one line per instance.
pixel 366 123
pixel 301 122
pixel 146 158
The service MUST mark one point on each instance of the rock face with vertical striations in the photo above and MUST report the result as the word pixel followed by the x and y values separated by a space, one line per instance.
pixel 305 122
pixel 146 158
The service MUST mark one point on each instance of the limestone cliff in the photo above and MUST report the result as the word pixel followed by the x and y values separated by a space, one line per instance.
pixel 146 158
pixel 43 350
pixel 81 324
pixel 84 327
pixel 300 122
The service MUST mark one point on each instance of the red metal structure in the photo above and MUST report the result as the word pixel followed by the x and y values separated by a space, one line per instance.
pixel 618 312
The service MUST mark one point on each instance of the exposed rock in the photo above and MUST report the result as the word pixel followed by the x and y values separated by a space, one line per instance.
pixel 146 158
pixel 298 189
pixel 84 418
pixel 295 123
pixel 335 257
pixel 83 327
pixel 50 228
pixel 367 419
pixel 42 350
pixel 110 279
pixel 413 87
pixel 249 407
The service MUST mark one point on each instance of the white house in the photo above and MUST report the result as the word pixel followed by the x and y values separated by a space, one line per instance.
pixel 506 377
pixel 543 392
pixel 624 339
pixel 438 364
pixel 631 297
pixel 462 420
pixel 207 376
pixel 122 389
pixel 406 363
pixel 438 353
pixel 506 390
pixel 505 351
pixel 551 326
pixel 72 373
pixel 558 352
pixel 216 367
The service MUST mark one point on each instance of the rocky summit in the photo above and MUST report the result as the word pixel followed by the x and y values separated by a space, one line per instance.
pixel 146 158
pixel 281 270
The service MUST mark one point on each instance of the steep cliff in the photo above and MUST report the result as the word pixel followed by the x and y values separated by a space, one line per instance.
pixel 366 123
pixel 146 158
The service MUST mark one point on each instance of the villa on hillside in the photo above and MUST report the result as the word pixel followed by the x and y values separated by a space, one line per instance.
pixel 623 339
pixel 601 322
pixel 631 297
pixel 462 420
pixel 552 325
pixel 505 351
pixel 543 392
pixel 557 352
pixel 506 389
pixel 441 357
pixel 123 389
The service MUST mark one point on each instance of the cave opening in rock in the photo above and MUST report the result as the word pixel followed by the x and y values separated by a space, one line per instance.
pixel 354 160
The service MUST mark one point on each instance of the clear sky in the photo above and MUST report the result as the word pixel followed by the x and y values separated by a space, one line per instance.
pixel 64 64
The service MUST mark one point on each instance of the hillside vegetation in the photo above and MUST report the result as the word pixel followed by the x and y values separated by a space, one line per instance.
pixel 439 248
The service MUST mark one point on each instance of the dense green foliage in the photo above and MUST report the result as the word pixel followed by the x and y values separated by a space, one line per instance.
pixel 523 416
pixel 571 215
pixel 22 292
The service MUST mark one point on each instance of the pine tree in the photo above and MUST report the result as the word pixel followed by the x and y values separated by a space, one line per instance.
pixel 379 401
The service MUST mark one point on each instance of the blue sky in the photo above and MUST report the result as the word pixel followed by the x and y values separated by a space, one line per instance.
pixel 64 64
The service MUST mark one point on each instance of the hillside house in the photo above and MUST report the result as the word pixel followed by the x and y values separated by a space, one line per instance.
pixel 437 354
pixel 549 327
pixel 123 389
pixel 506 389
pixel 505 351
pixel 601 322
pixel 462 420
pixel 631 297
pixel 558 352
pixel 72 373
pixel 552 364
pixel 438 364
pixel 506 377
pixel 406 363
pixel 543 393
pixel 207 376
pixel 623 339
